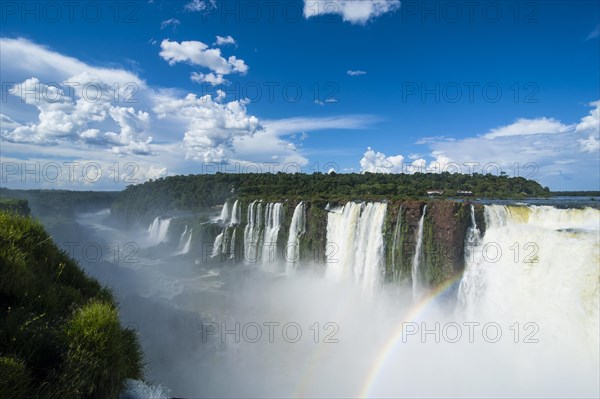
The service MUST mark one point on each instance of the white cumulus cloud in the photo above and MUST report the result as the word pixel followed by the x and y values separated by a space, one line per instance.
pixel 210 78
pixel 211 126
pixel 353 11
pixel 377 162
pixel 198 53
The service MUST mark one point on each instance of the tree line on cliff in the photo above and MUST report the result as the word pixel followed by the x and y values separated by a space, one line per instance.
pixel 196 192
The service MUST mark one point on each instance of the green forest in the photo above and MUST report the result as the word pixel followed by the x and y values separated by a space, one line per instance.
pixel 60 335
pixel 196 192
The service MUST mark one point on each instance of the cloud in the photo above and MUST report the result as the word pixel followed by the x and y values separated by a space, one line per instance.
pixel 221 41
pixel 174 22
pixel 353 11
pixel 211 126
pixel 210 78
pixel 427 140
pixel 50 66
pixel 161 131
pixel 594 33
pixel 198 53
pixel 544 149
pixel 590 125
pixel 78 117
pixel 377 162
pixel 350 72
pixel 200 5
pixel 523 127
pixel 591 122
pixel 306 124
pixel 562 156
pixel 591 145
pixel 7 123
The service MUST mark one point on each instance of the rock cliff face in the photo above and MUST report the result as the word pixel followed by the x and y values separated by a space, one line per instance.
pixel 444 231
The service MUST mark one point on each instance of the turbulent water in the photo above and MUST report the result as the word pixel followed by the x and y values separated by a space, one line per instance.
pixel 273 218
pixel 253 231
pixel 355 242
pixel 185 242
pixel 525 321
pixel 297 229
pixel 224 217
pixel 157 232
pixel 415 275
pixel 538 263
pixel 236 213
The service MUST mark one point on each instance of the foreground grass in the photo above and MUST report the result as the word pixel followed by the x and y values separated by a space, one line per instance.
pixel 60 335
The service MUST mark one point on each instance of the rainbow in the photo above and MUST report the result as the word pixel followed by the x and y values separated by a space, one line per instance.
pixel 395 339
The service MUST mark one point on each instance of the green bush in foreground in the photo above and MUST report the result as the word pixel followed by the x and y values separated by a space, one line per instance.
pixel 60 335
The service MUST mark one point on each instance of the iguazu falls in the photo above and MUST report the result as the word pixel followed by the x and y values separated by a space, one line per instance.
pixel 299 199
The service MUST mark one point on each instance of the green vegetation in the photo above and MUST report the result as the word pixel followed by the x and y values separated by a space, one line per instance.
pixel 14 205
pixel 60 335
pixel 197 192
pixel 58 207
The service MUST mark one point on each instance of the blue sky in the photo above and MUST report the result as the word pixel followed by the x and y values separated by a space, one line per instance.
pixel 143 89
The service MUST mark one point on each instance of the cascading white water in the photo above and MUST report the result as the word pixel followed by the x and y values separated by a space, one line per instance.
pixel 471 284
pixel 356 239
pixel 183 237
pixel 341 238
pixel 224 218
pixel 188 243
pixel 417 257
pixel 297 229
pixel 185 241
pixel 236 213
pixel 226 239
pixel 157 232
pixel 232 245
pixel 225 242
pixel 559 293
pixel 273 219
pixel 252 232
pixel 537 264
pixel 218 244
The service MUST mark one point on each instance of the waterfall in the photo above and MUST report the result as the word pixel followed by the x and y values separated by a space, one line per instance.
pixel 218 244
pixel 273 219
pixel 396 273
pixel 157 232
pixel 188 244
pixel 236 213
pixel 252 232
pixel 471 285
pixel 185 241
pixel 297 228
pixel 341 233
pixel 182 238
pixel 417 257
pixel 355 241
pixel 538 264
pixel 369 262
pixel 224 218
pixel 232 245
